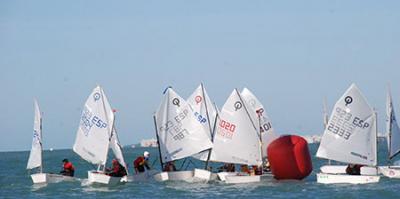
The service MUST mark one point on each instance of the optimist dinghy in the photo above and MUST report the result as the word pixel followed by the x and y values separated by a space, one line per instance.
pixel 205 113
pixel 95 135
pixel 350 137
pixel 236 140
pixel 179 135
pixel 393 140
pixel 35 156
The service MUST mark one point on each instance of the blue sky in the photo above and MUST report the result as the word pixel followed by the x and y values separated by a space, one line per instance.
pixel 291 54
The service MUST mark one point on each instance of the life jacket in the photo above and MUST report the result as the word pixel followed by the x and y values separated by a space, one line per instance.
pixel 139 162
pixel 68 166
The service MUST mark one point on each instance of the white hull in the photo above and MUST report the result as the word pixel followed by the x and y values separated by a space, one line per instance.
pixel 341 169
pixel 49 178
pixel 95 177
pixel 222 175
pixel 334 169
pixel 142 177
pixel 325 178
pixel 236 179
pixel 391 172
pixel 201 175
pixel 175 176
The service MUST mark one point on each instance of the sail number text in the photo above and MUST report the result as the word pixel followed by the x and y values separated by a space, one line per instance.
pixel 88 120
pixel 343 123
pixel 174 127
pixel 226 129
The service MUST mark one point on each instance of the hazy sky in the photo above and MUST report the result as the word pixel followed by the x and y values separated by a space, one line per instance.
pixel 291 54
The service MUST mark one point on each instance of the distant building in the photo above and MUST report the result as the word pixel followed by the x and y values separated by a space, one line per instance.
pixel 149 143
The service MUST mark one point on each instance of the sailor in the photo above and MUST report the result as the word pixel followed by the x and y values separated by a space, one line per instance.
pixel 117 169
pixel 244 168
pixel 68 168
pixel 169 166
pixel 141 163
pixel 353 169
pixel 227 167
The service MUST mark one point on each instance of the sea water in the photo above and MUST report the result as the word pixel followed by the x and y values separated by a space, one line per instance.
pixel 15 181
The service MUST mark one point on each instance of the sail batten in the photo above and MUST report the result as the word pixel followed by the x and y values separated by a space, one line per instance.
pixel 350 135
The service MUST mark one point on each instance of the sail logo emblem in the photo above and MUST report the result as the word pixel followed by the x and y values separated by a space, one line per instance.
pixel 176 102
pixel 260 112
pixel 198 99
pixel 348 100
pixel 238 105
pixel 96 96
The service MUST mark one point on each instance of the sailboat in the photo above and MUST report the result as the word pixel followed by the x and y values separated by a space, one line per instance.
pixel 393 140
pixel 95 135
pixel 206 114
pixel 35 156
pixel 350 137
pixel 236 140
pixel 179 134
pixel 262 120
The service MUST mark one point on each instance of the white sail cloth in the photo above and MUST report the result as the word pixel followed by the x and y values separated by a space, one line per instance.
pixel 236 139
pixel 392 128
pixel 117 149
pixel 350 136
pixel 94 132
pixel 260 118
pixel 35 156
pixel 180 134
pixel 205 113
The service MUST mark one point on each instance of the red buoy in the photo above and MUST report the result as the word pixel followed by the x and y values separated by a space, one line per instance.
pixel 289 158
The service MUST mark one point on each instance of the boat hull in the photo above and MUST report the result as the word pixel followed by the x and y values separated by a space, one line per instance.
pixel 201 175
pixel 222 175
pixel 175 176
pixel 95 177
pixel 142 177
pixel 341 169
pixel 38 178
pixel 325 178
pixel 391 172
pixel 237 179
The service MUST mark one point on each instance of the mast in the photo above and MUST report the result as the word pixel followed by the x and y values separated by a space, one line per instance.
pixel 158 142
pixel 376 137
pixel 212 137
pixel 390 131
pixel 325 119
pixel 209 125
pixel 41 146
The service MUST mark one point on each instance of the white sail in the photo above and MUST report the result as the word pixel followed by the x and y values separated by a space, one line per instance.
pixel 180 134
pixel 236 139
pixel 35 157
pixel 392 128
pixel 260 118
pixel 204 112
pixel 117 149
pixel 93 135
pixel 350 136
